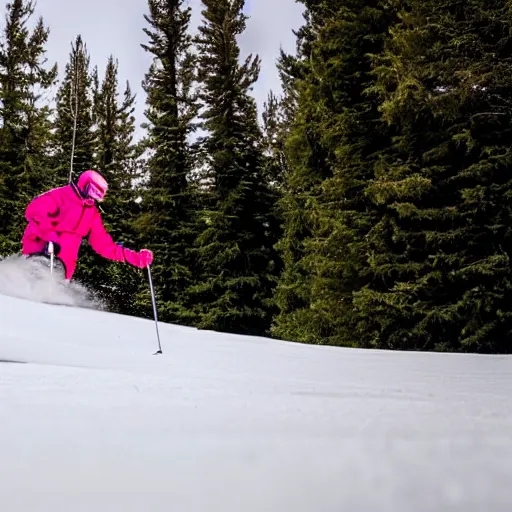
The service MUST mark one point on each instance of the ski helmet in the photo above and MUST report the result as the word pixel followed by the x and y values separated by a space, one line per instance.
pixel 93 185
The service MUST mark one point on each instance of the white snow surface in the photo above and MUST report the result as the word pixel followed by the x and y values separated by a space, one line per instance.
pixel 94 422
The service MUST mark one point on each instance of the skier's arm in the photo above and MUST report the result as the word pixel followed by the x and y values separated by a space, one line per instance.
pixel 42 210
pixel 42 207
pixel 103 244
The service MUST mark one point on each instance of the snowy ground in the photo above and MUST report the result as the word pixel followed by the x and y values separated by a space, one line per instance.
pixel 93 422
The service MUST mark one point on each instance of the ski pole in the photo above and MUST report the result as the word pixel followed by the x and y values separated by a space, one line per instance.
pixel 153 299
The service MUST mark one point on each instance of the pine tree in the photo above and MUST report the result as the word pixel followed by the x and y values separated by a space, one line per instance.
pixel 333 147
pixel 235 248
pixel 24 82
pixel 75 109
pixel 441 251
pixel 168 204
pixel 307 167
pixel 115 149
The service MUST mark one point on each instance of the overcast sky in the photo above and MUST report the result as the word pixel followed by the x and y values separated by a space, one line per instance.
pixel 115 27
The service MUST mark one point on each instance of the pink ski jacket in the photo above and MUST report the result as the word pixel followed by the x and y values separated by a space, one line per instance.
pixel 63 216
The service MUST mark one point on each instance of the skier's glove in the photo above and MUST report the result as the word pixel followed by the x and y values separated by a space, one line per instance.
pixel 146 258
pixel 56 248
pixel 140 259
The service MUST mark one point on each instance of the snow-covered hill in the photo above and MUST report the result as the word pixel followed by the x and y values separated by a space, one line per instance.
pixel 93 422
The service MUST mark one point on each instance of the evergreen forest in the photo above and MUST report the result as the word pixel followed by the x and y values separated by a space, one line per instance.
pixel 367 205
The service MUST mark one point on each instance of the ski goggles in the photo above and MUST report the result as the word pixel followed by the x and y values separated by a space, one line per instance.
pixel 94 191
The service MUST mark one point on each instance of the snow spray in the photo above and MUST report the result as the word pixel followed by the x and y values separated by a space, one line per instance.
pixel 30 279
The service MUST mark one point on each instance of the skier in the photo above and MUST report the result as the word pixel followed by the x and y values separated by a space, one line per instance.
pixel 65 215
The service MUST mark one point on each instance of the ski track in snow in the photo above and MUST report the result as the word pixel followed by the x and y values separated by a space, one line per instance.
pixel 222 423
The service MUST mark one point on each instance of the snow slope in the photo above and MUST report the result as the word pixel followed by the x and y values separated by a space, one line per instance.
pixel 93 422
